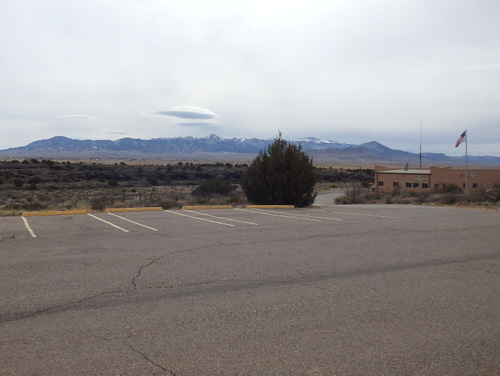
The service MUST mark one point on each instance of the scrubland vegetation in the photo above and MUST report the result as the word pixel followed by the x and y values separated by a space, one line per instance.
pixel 450 195
pixel 37 185
pixel 34 185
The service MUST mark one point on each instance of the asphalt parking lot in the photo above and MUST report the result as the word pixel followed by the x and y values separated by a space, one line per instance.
pixel 337 290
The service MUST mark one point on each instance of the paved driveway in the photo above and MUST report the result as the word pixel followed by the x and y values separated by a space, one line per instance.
pixel 340 290
pixel 327 198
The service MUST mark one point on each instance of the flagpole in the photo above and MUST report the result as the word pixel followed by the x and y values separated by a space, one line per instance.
pixel 420 157
pixel 466 164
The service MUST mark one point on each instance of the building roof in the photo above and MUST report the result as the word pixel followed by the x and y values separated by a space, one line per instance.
pixel 403 171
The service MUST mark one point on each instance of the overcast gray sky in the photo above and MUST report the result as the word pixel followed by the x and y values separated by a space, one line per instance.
pixel 352 71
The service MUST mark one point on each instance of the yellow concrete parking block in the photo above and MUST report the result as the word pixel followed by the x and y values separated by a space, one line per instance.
pixel 53 212
pixel 202 207
pixel 139 209
pixel 270 207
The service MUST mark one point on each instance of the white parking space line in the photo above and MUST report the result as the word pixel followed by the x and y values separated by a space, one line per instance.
pixel 360 214
pixel 201 219
pixel 270 212
pixel 311 216
pixel 28 227
pixel 109 223
pixel 226 219
pixel 135 223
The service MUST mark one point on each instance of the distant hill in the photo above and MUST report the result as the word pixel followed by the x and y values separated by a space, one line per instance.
pixel 374 152
pixel 211 144
pixel 215 148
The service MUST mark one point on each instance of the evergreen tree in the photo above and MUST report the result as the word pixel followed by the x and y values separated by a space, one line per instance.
pixel 282 175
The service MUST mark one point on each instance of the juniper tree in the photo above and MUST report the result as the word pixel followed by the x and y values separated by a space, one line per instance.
pixel 282 175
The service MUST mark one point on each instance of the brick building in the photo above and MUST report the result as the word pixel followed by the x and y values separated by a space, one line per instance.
pixel 387 180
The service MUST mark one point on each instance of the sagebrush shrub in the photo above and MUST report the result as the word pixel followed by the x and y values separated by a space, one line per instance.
pixel 213 186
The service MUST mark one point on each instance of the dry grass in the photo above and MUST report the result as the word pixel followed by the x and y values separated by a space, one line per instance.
pixel 489 198
pixel 99 199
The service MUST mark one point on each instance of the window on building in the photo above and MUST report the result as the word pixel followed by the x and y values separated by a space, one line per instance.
pixel 436 186
pixel 408 185
pixel 425 185
pixel 464 186
pixel 380 183
pixel 496 185
pixel 475 185
pixel 415 185
pixel 395 184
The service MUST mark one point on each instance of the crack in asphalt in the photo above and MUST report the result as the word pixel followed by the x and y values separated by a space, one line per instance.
pixel 152 261
pixel 134 280
pixel 478 269
pixel 56 307
pixel 200 283
pixel 152 362
pixel 2 238
pixel 141 353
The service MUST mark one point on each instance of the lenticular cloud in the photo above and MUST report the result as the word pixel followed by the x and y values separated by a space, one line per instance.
pixel 188 113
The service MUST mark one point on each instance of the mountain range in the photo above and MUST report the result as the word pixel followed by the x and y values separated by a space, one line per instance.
pixel 214 147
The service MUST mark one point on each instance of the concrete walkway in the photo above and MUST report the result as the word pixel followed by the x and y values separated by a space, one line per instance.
pixel 328 197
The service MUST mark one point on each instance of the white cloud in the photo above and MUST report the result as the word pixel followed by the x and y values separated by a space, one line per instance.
pixel 188 113
pixel 190 116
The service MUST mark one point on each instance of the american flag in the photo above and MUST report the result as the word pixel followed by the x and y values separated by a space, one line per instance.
pixel 463 137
